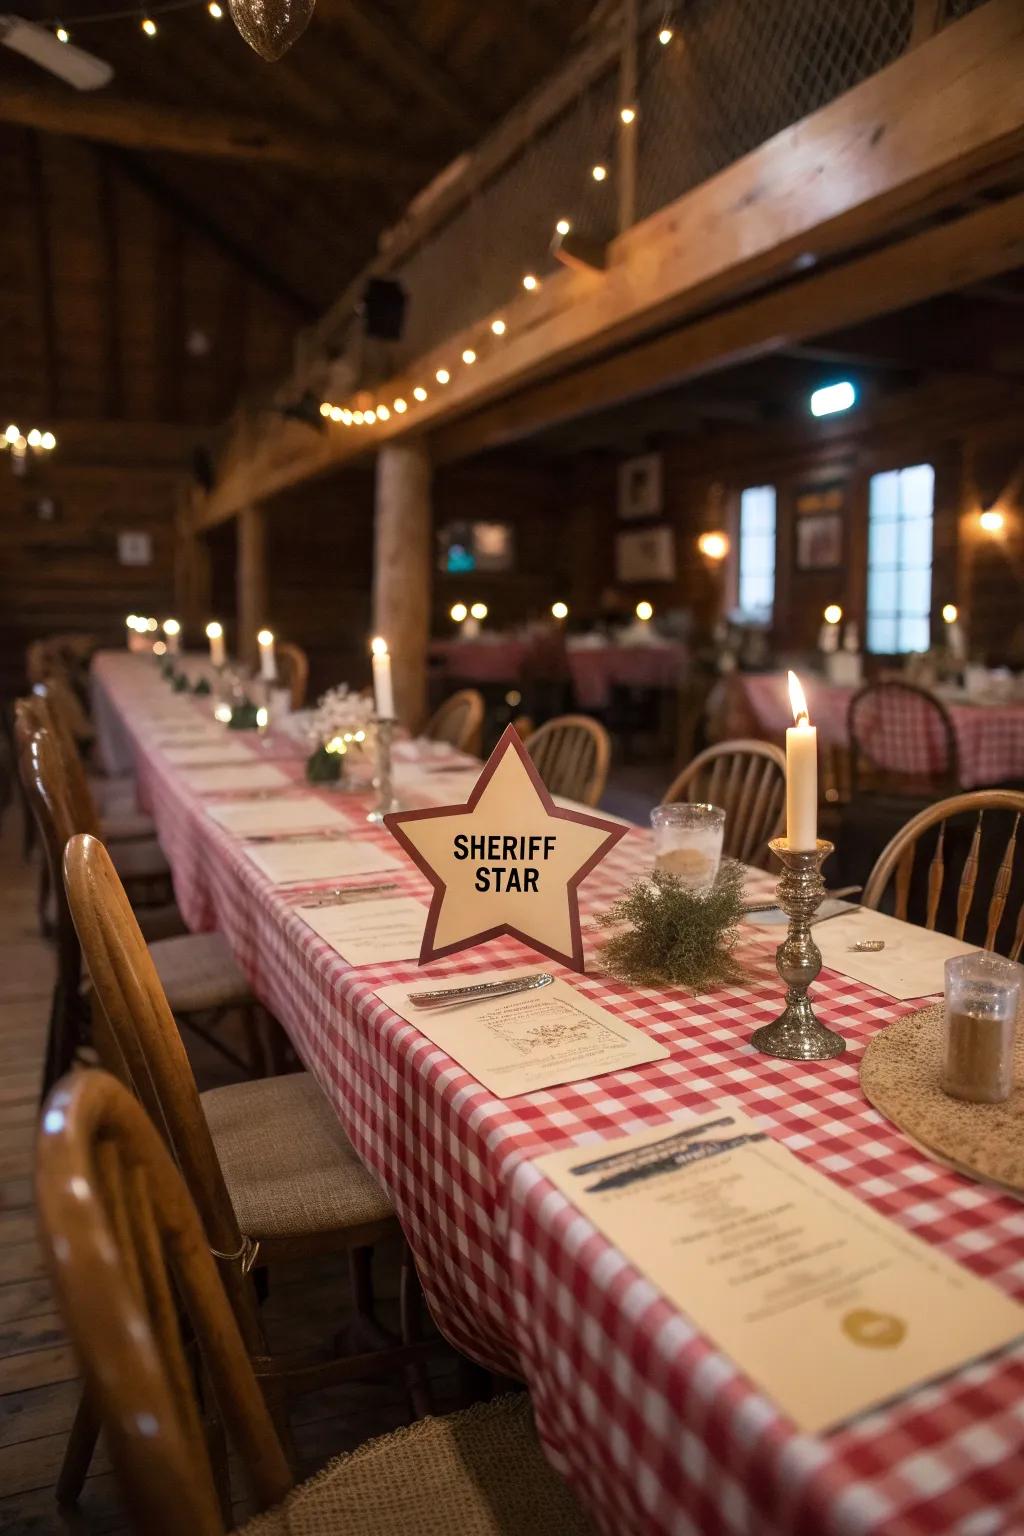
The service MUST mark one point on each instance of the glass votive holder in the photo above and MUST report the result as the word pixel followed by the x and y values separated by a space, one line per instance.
pixel 688 842
pixel 982 998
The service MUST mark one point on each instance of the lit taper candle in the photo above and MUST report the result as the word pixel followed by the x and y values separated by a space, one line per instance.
pixel 215 635
pixel 172 633
pixel 801 774
pixel 268 663
pixel 383 693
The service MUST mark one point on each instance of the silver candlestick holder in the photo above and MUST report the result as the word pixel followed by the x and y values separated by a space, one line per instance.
pixel 385 731
pixel 797 1035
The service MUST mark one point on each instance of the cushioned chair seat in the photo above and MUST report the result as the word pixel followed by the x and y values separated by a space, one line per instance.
pixel 478 1473
pixel 198 972
pixel 140 861
pixel 288 1165
pixel 115 792
pixel 122 826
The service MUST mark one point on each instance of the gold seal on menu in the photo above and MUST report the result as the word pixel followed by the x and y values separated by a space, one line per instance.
pixel 874 1330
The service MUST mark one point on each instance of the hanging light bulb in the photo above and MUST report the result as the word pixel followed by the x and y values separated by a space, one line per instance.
pixel 563 227
pixel 469 357
pixel 357 417
pixel 215 10
pixel 370 416
pixel 628 114
pixel 530 283
pixel 148 26
pixel 498 327
pixel 325 407
pixel 62 34
pixel 401 406
pixel 335 413
pixel 346 417
pixel 383 414
pixel 419 393
pixel 442 375
pixel 599 172
pixel 665 36
pixel 49 441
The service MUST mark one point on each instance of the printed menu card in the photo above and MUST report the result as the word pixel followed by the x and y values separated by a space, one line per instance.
pixel 205 751
pixel 236 776
pixel 827 1306
pixel 267 818
pixel 319 858
pixel 525 1041
pixel 370 932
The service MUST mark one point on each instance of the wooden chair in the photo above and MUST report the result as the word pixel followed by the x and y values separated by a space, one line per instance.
pixel 459 721
pixel 293 671
pixel 902 742
pixel 272 1172
pixel 126 1248
pixel 198 971
pixel 112 816
pixel 990 854
pixel 748 780
pixel 572 754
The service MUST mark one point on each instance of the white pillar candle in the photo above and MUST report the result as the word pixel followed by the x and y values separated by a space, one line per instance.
pixel 801 774
pixel 268 663
pixel 383 693
pixel 172 634
pixel 215 635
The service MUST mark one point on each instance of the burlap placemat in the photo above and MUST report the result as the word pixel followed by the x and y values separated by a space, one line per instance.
pixel 901 1075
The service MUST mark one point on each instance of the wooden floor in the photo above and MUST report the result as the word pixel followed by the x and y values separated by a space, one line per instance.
pixel 38 1381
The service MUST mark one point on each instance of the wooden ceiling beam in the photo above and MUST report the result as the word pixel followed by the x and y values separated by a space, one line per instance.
pixel 148 125
pixel 979 245
pixel 401 59
pixel 856 171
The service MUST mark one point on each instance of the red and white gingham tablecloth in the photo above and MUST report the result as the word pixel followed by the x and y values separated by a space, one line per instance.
pixel 657 1430
pixel 989 737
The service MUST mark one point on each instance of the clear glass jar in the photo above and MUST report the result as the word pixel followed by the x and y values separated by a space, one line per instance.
pixel 982 999
pixel 688 842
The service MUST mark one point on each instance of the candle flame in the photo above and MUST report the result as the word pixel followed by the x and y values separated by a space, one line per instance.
pixel 379 646
pixel 265 637
pixel 798 700
pixel 214 630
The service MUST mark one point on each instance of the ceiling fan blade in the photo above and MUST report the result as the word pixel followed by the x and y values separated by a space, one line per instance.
pixel 80 69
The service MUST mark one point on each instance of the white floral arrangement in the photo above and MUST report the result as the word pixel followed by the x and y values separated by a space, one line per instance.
pixel 342 720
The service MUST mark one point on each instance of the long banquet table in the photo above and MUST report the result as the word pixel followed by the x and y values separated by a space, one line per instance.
pixel 658 1431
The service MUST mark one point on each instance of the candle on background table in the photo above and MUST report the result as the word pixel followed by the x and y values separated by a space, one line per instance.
pixel 215 635
pixel 268 663
pixel 172 634
pixel 383 693
pixel 801 774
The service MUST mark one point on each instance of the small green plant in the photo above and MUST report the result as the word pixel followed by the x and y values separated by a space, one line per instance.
pixel 323 767
pixel 676 937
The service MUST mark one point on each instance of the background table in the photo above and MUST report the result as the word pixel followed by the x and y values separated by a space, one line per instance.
pixel 989 737
pixel 657 1430
pixel 594 670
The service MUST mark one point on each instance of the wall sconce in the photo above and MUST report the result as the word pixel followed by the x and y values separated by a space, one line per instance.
pixel 992 521
pixel 713 546
pixel 950 613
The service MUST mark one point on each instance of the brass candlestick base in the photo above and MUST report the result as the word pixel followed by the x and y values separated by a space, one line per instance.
pixel 796 1034
pixel 382 780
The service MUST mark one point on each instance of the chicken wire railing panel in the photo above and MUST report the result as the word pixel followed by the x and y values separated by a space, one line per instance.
pixel 735 73
pixel 739 71
pixel 479 259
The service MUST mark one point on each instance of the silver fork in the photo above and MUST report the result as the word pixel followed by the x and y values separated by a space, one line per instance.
pixel 335 895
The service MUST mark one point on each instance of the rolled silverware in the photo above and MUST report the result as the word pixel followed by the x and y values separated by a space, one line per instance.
pixel 480 992
pixel 326 836
pixel 341 894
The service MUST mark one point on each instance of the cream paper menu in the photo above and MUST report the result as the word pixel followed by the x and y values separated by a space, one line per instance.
pixel 827 1306
pixel 525 1041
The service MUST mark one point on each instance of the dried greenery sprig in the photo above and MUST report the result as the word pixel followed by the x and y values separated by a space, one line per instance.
pixel 676 937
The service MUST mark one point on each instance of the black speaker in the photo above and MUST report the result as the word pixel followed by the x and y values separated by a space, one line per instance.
pixel 383 308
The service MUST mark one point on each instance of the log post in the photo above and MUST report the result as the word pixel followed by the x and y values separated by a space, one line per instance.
pixel 251 577
pixel 191 571
pixel 402 571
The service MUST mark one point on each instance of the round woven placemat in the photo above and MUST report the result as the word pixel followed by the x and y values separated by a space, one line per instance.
pixel 900 1073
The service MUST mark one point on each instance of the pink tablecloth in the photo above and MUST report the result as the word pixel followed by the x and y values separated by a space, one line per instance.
pixel 594 670
pixel 658 1431
pixel 989 737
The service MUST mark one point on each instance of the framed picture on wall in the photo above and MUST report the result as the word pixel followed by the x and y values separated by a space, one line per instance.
pixel 640 487
pixel 819 541
pixel 646 554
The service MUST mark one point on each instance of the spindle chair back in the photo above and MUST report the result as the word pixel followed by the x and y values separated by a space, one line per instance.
pixel 459 721
pixel 901 741
pixel 572 754
pixel 293 670
pixel 951 888
pixel 747 779
pixel 128 1254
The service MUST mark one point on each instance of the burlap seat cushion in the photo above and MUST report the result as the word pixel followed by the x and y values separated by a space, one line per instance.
pixel 126 825
pixel 287 1163
pixel 164 922
pixel 477 1473
pixel 198 972
pixel 140 861
pixel 113 792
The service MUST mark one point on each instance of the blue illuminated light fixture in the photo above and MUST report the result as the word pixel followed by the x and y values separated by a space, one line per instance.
pixel 832 398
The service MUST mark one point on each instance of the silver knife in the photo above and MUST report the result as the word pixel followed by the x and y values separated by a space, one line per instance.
pixel 341 898
pixel 482 991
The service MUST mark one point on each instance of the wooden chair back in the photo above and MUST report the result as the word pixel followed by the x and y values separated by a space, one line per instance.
pixel 60 719
pixel 293 670
pixel 139 1042
pixel 748 780
pixel 901 741
pixel 572 754
pixel 459 721
pixel 127 1255
pixel 950 886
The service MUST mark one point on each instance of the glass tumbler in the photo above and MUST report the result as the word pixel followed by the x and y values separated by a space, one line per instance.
pixel 982 998
pixel 688 842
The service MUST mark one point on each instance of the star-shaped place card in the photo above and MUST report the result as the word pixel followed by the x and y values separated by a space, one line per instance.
pixel 508 861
